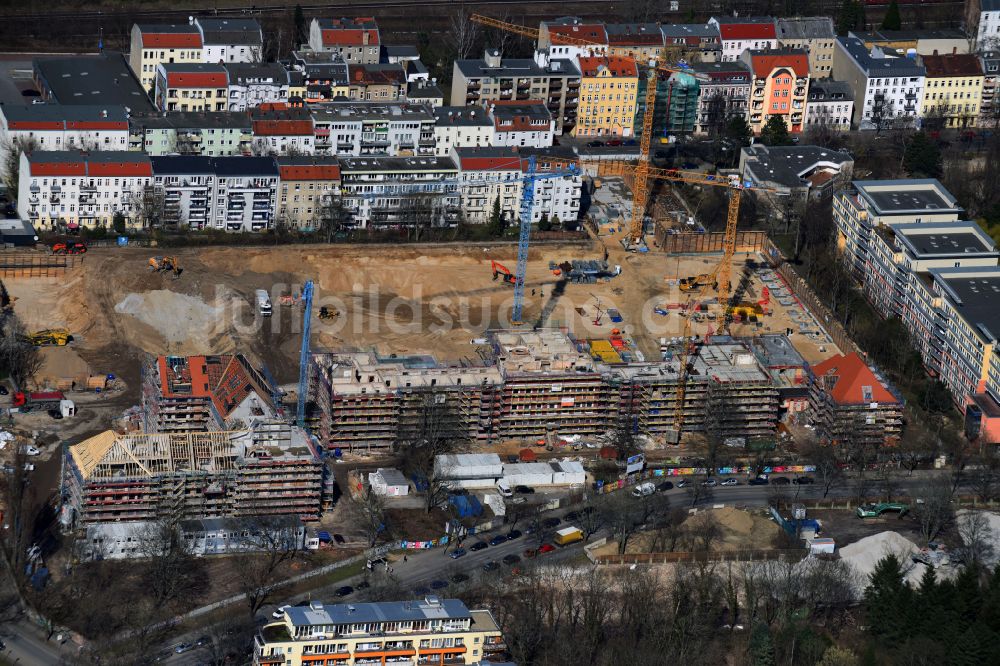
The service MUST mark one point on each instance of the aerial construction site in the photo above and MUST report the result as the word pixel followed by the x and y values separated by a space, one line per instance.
pixel 437 312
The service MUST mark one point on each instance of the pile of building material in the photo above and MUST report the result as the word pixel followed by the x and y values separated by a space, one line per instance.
pixel 865 554
pixel 585 271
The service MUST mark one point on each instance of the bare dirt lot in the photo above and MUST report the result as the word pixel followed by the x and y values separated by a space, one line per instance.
pixel 404 299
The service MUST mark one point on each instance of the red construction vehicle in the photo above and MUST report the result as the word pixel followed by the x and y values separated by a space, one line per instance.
pixel 499 270
pixel 29 402
pixel 69 247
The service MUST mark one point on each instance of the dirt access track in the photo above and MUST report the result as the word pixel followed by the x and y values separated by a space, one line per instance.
pixel 396 299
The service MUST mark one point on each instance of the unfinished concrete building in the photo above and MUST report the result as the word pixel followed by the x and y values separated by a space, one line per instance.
pixel 532 383
pixel 271 468
pixel 204 393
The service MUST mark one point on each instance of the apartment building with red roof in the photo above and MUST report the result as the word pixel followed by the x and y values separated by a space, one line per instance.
pixel 153 44
pixel 279 129
pixel 63 127
pixel 780 87
pixel 308 191
pixel 523 124
pixel 741 33
pixel 356 40
pixel 608 90
pixel 191 87
pixel 851 404
pixel 571 38
pixel 64 190
pixel 204 394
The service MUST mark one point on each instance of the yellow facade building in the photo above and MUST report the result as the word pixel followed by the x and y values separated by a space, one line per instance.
pixel 953 91
pixel 608 95
pixel 153 45
pixel 431 631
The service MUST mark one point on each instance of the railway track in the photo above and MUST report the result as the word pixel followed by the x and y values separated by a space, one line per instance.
pixel 352 8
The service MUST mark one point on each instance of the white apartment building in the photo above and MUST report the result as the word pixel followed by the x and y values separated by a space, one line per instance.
pixel 379 129
pixel 231 39
pixel 988 33
pixel 488 174
pixel 64 190
pixel 887 88
pixel 557 197
pixel 461 127
pixel 281 130
pixel 740 34
pixel 523 124
pixel 575 30
pixel 830 105
pixel 725 92
pixel 400 192
pixel 869 204
pixel 252 84
pixel 356 40
pixel 63 127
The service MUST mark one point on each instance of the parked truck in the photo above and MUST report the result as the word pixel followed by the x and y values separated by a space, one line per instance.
pixel 568 535
pixel 32 402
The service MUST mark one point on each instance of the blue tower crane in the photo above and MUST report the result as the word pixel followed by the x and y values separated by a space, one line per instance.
pixel 307 303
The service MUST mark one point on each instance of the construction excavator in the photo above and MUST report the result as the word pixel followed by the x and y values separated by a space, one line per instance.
pixel 326 312
pixel 50 337
pixel 161 264
pixel 499 270
pixel 696 282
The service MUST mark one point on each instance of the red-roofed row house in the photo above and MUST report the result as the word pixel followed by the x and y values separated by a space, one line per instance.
pixel 191 87
pixel 356 40
pixel 779 87
pixel 279 129
pixel 74 189
pixel 155 44
pixel 740 34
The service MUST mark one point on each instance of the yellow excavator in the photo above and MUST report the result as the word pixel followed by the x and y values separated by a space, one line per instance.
pixel 161 264
pixel 50 337
pixel 697 282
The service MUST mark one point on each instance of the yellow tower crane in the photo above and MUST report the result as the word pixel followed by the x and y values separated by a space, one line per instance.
pixel 640 171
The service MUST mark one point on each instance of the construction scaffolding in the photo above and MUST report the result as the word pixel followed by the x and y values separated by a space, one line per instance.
pixel 271 469
pixel 536 383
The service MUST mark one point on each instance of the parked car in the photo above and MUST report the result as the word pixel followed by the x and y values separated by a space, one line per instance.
pixel 524 490
pixel 457 553
pixel 644 489
pixel 572 516
pixel 780 481
pixel 479 545
pixel 758 481
pixel 182 648
pixel 665 486
pixel 551 522
pixel 513 534
pixel 3 390
pixel 280 611
pixel 511 559
pixel 730 482
pixel 498 539
pixel 546 548
pixel 614 142
pixel 804 480
pixel 683 483
pixel 630 142
pixel 55 413
pixel 459 577
pixel 709 483
pixel 344 591
pixel 439 584
pixel 492 565
pixel 338 539
pixel 595 144
pixel 32 450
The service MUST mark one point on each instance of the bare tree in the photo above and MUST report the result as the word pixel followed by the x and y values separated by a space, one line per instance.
pixel 702 532
pixel 147 206
pixel 977 537
pixel 170 571
pixel 330 216
pixel 624 515
pixel 367 511
pixel 275 540
pixel 464 34
pixel 824 457
pixel 18 356
pixel 227 640
pixel 935 513
pixel 984 477
pixel 12 150
pixel 436 428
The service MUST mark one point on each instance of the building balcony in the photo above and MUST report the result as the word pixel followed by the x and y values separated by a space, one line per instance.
pixel 34 188
pixel 33 199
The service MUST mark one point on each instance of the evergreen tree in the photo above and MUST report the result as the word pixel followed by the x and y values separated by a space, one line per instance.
pixel 851 14
pixel 922 157
pixel 775 132
pixel 739 131
pixel 556 223
pixel 888 601
pixel 761 646
pixel 544 224
pixel 892 20
pixel 497 224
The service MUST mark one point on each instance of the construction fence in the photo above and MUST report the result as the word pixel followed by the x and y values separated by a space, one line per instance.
pixel 787 555
pixel 35 265
pixel 687 242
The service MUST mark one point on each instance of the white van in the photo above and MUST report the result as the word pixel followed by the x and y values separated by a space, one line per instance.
pixel 504 489
pixel 644 489
pixel 263 303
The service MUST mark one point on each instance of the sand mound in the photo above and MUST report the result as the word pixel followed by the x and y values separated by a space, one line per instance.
pixel 180 320
pixel 863 555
